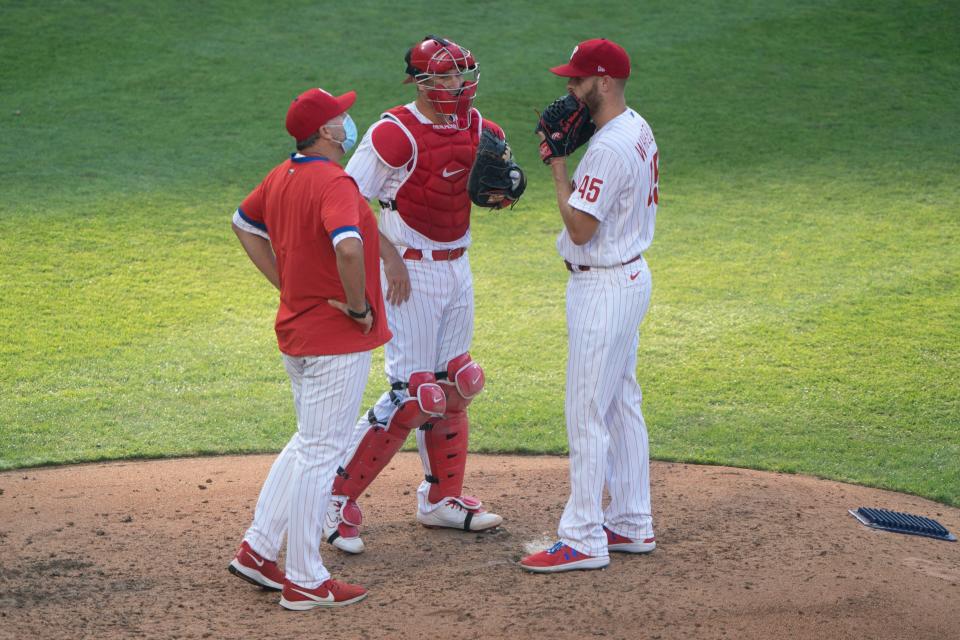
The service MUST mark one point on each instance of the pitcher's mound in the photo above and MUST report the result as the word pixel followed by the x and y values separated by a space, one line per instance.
pixel 140 549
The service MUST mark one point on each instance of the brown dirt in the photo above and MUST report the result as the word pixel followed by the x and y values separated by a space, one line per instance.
pixel 140 549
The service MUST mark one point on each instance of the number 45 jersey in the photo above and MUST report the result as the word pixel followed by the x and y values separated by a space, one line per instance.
pixel 616 182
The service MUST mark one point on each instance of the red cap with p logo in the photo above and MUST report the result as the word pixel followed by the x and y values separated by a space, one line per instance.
pixel 597 57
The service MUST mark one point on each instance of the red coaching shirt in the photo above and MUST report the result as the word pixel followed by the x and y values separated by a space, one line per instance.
pixel 306 205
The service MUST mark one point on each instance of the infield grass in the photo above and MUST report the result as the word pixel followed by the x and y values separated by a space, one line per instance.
pixel 805 312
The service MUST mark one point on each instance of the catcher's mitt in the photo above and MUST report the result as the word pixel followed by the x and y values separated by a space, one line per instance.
pixel 494 173
pixel 565 125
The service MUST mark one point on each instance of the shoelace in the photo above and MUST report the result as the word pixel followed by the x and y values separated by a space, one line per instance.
pixel 453 503
pixel 556 547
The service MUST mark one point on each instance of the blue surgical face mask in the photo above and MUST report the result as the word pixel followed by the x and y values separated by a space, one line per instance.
pixel 350 131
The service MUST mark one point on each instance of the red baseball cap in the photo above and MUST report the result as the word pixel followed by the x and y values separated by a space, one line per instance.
pixel 314 108
pixel 597 57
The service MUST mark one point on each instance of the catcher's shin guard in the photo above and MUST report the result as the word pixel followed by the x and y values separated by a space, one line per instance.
pixel 446 439
pixel 446 444
pixel 382 441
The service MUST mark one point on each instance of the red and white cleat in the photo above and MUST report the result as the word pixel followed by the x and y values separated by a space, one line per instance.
pixel 623 544
pixel 341 525
pixel 561 557
pixel 329 594
pixel 462 512
pixel 255 569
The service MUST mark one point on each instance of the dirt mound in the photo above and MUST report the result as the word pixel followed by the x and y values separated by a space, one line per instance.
pixel 140 549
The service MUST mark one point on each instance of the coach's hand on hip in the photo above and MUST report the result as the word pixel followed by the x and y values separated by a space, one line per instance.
pixel 362 317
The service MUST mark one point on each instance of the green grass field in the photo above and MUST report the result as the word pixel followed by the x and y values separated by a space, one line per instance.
pixel 805 313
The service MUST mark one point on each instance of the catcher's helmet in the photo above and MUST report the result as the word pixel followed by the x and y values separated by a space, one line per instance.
pixel 438 58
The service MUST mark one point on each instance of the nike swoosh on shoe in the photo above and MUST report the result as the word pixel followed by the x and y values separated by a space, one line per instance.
pixel 316 598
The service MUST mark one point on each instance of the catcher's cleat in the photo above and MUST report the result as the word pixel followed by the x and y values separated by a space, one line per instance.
pixel 329 594
pixel 623 544
pixel 341 525
pixel 462 512
pixel 561 557
pixel 255 569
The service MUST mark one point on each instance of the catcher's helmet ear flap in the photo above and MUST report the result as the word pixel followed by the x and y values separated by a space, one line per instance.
pixel 411 71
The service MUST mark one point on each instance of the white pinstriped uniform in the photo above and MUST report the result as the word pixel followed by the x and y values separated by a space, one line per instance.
pixel 435 324
pixel 616 182
pixel 327 392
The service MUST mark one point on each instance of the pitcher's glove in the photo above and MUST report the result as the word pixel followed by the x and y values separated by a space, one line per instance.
pixel 495 181
pixel 565 125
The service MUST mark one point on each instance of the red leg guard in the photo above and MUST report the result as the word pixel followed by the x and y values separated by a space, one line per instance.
pixel 377 448
pixel 446 444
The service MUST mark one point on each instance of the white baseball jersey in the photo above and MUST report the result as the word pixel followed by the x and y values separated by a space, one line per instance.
pixel 617 183
pixel 621 155
pixel 379 180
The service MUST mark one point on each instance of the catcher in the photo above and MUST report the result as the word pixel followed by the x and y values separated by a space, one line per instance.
pixel 425 162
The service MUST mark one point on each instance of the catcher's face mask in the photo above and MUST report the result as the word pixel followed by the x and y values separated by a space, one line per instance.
pixel 448 74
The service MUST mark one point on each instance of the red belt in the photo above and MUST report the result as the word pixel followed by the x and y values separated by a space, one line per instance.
pixel 438 254
pixel 582 267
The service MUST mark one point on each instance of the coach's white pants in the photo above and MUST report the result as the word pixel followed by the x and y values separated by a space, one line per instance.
pixel 327 391
pixel 606 432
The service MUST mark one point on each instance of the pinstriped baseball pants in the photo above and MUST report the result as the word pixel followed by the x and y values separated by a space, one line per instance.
pixel 606 432
pixel 327 392
pixel 431 328
pixel 436 324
